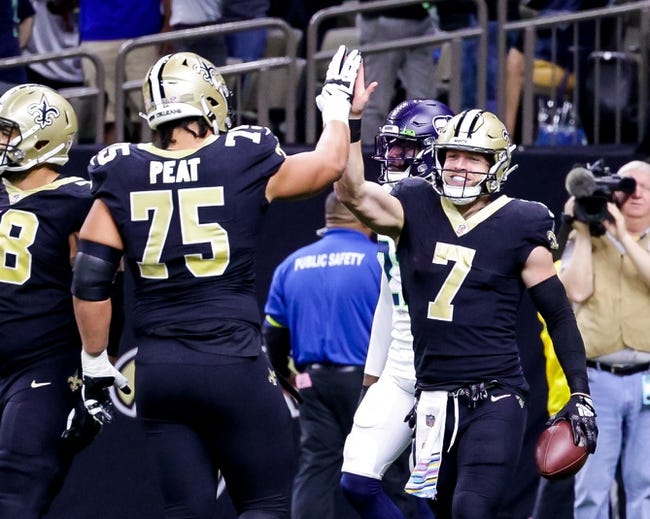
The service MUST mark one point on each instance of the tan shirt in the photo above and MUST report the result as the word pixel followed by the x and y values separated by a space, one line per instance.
pixel 617 314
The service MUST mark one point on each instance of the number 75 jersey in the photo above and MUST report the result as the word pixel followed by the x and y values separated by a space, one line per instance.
pixel 462 282
pixel 190 222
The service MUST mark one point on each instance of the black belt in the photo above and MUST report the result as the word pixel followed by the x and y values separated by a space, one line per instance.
pixel 340 368
pixel 619 369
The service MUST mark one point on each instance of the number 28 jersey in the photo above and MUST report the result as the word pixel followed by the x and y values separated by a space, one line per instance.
pixel 190 221
pixel 462 281
pixel 36 318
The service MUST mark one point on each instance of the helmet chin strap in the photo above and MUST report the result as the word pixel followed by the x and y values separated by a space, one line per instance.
pixel 458 200
pixel 464 194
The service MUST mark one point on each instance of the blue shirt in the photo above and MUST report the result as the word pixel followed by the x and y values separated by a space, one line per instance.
pixel 326 294
pixel 12 13
pixel 103 20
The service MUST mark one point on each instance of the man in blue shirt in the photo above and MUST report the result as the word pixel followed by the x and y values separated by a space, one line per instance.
pixel 16 20
pixel 319 309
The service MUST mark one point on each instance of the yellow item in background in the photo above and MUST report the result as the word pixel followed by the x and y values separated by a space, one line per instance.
pixel 558 389
pixel 547 76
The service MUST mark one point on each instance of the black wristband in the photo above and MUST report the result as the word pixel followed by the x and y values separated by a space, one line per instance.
pixel 355 130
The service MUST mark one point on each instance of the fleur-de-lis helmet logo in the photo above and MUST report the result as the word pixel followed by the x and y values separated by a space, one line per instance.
pixel 43 112
pixel 206 71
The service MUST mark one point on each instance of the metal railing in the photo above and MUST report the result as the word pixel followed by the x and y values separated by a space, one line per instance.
pixel 261 66
pixel 74 92
pixel 529 29
pixel 314 56
pixel 578 20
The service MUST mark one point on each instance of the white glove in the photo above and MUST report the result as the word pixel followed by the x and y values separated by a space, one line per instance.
pixel 336 96
pixel 98 375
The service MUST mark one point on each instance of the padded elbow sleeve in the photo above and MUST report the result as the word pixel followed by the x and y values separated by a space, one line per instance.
pixel 94 270
pixel 552 303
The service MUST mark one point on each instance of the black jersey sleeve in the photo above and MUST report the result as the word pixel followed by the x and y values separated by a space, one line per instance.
pixel 538 225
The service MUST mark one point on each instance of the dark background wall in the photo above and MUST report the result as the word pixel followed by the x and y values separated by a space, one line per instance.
pixel 112 478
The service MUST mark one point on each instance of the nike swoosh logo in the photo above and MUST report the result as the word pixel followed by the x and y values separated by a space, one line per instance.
pixel 35 384
pixel 497 398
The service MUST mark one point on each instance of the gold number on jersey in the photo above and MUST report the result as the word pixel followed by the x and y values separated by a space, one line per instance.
pixel 17 234
pixel 195 232
pixel 442 308
pixel 161 207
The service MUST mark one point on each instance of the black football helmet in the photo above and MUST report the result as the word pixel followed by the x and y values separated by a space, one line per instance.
pixel 411 127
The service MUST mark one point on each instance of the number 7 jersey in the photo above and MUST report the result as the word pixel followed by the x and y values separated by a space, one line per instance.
pixel 190 221
pixel 462 282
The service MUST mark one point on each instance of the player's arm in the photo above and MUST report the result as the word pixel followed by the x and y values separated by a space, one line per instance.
pixel 96 263
pixel 577 272
pixel 369 202
pixel 305 174
pixel 549 296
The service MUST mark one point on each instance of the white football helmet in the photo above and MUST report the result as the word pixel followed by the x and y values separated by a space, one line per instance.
pixel 185 85
pixel 476 131
pixel 37 126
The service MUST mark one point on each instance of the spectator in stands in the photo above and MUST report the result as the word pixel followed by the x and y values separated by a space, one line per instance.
pixel 56 29
pixel 458 14
pixel 42 213
pixel 413 67
pixel 16 20
pixel 607 277
pixel 337 276
pixel 245 45
pixel 242 45
pixel 298 14
pixel 103 27
pixel 189 14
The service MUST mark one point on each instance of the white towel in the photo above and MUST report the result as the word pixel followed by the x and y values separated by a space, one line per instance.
pixel 430 429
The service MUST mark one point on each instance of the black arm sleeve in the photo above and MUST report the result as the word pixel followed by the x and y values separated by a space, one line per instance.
pixel 278 346
pixel 552 303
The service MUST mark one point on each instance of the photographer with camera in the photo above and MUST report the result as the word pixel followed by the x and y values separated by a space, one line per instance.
pixel 606 272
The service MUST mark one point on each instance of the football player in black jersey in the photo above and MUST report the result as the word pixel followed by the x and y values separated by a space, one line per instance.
pixel 187 212
pixel 467 253
pixel 40 214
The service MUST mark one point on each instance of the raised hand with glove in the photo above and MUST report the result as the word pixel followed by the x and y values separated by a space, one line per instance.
pixel 580 413
pixel 335 98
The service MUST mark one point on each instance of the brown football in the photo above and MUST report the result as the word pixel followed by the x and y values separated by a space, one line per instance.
pixel 556 456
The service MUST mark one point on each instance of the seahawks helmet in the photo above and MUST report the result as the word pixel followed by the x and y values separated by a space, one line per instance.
pixel 475 131
pixel 185 85
pixel 410 127
pixel 37 126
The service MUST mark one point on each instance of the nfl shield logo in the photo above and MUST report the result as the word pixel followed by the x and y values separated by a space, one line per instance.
pixel 430 420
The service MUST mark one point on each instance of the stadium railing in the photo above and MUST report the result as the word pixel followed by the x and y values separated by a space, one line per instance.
pixel 94 93
pixel 599 20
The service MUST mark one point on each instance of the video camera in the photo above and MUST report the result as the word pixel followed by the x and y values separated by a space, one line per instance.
pixel 593 185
